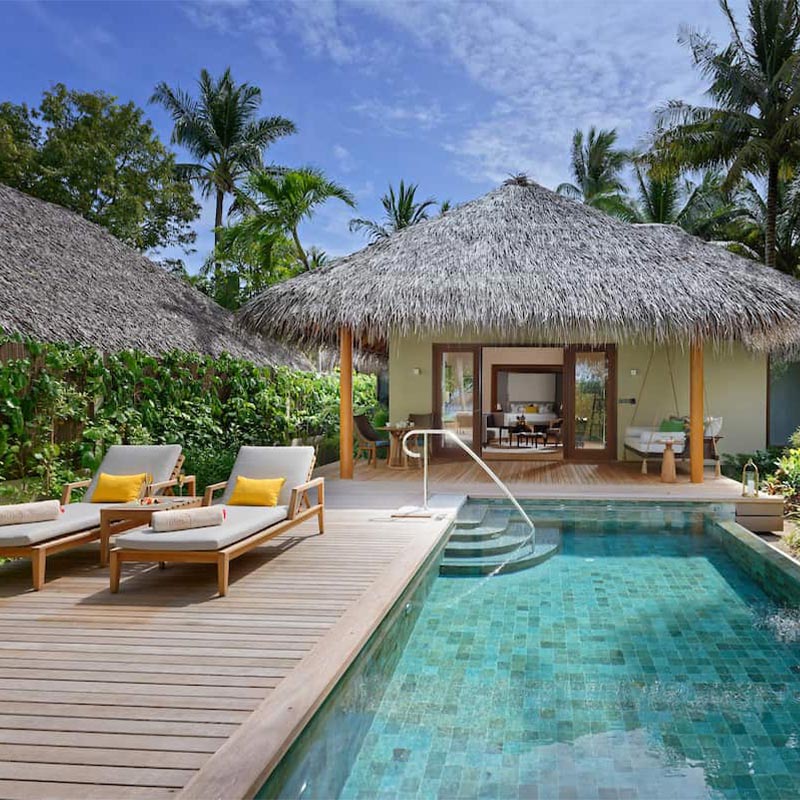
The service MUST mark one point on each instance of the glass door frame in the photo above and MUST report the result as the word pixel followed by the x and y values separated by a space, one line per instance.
pixel 571 452
pixel 439 446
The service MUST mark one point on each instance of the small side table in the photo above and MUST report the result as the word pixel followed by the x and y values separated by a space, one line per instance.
pixel 116 519
pixel 668 473
pixel 397 458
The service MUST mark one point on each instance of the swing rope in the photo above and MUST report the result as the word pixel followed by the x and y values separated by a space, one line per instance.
pixel 672 381
pixel 644 383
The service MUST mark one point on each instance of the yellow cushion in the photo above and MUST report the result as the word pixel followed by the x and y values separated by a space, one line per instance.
pixel 118 488
pixel 532 410
pixel 256 491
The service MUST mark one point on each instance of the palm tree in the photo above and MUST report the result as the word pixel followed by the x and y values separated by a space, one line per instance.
pixel 274 205
pixel 748 236
pixel 752 125
pixel 596 167
pixel 221 131
pixel 401 211
pixel 702 209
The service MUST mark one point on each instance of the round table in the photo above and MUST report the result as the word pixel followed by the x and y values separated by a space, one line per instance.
pixel 397 458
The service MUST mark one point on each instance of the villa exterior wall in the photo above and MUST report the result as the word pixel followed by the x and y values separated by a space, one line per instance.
pixel 736 386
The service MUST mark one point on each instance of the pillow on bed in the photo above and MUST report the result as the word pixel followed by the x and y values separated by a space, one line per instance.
pixel 256 491
pixel 118 488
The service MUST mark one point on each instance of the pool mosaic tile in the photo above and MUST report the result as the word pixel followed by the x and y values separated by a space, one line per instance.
pixel 639 663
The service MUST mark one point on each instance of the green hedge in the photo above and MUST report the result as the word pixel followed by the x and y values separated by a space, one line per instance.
pixel 61 406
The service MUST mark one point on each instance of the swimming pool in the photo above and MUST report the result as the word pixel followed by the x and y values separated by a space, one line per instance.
pixel 642 661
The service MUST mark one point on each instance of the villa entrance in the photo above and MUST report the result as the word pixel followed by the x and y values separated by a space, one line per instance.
pixel 527 402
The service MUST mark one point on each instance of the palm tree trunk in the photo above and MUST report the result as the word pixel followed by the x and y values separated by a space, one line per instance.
pixel 772 215
pixel 217 226
pixel 300 252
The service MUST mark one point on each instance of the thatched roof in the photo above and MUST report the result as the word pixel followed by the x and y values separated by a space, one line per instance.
pixel 68 280
pixel 522 262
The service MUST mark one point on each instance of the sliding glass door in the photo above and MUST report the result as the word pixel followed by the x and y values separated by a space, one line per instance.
pixel 590 394
pixel 457 396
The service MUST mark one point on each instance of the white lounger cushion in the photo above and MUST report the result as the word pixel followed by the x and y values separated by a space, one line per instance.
pixel 242 521
pixel 76 517
pixel 157 460
pixel 292 463
pixel 651 440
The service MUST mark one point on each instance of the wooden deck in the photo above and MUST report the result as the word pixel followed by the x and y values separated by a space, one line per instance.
pixel 380 487
pixel 130 695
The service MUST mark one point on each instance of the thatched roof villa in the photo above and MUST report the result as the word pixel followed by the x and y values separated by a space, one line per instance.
pixel 65 279
pixel 523 299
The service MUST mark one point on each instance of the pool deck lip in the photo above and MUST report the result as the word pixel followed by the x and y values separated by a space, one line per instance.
pixel 244 762
pixel 779 558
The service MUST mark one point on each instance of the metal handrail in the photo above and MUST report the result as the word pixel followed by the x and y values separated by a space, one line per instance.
pixel 425 432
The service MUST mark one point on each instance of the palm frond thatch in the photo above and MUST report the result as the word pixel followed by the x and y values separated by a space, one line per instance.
pixel 64 279
pixel 523 263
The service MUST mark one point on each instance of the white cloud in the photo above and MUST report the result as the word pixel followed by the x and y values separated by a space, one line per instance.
pixel 91 46
pixel 344 158
pixel 317 25
pixel 551 66
pixel 546 67
pixel 406 115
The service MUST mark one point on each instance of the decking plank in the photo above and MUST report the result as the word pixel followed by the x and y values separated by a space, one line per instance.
pixel 36 754
pixel 37 790
pixel 107 776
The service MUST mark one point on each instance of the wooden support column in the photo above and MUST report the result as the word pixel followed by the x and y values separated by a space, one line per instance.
pixel 346 404
pixel 696 415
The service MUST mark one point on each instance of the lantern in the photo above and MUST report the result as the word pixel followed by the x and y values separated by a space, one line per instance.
pixel 750 479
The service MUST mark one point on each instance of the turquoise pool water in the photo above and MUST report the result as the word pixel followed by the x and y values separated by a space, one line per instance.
pixel 639 663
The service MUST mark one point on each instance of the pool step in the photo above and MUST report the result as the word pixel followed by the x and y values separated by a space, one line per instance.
pixel 488 549
pixel 505 543
pixel 482 533
pixel 471 516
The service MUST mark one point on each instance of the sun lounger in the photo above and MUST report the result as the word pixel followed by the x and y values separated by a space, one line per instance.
pixel 80 522
pixel 244 528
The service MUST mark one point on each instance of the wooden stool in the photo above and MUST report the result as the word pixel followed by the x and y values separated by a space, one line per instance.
pixel 668 473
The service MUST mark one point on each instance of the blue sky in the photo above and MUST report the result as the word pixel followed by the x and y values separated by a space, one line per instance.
pixel 453 95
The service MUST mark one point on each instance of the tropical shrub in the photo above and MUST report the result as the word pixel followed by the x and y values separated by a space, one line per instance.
pixel 732 465
pixel 785 480
pixel 792 540
pixel 61 406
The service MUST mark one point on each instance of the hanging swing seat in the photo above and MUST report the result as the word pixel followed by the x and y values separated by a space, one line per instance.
pixel 650 443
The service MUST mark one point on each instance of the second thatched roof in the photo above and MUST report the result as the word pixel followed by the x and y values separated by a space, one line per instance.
pixel 64 279
pixel 523 262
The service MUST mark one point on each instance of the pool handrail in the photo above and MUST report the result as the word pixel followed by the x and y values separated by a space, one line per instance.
pixel 425 432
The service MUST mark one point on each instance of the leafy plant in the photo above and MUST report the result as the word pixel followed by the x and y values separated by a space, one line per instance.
pixel 792 540
pixel 401 210
pixel 785 480
pixel 732 465
pixel 62 406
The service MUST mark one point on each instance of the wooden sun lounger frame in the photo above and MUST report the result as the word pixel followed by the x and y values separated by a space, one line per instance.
pixel 300 509
pixel 38 552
